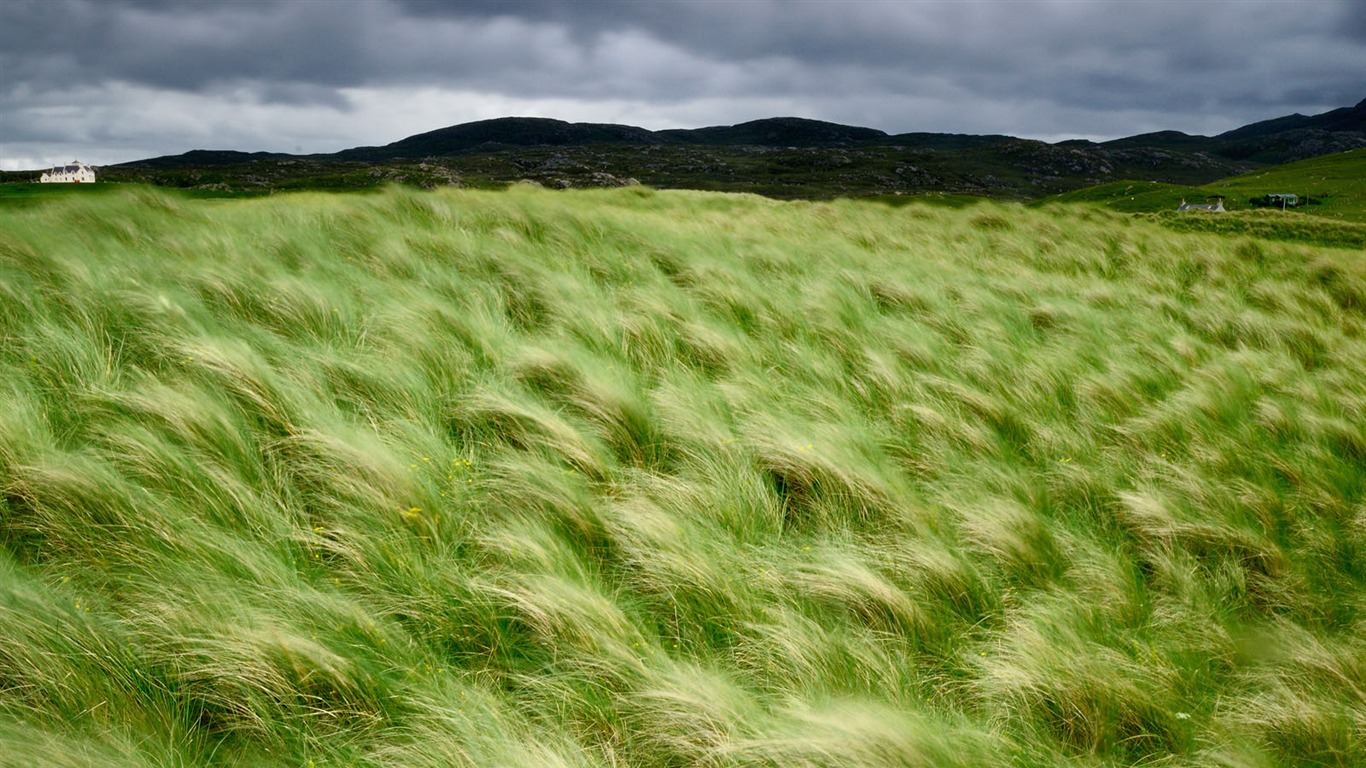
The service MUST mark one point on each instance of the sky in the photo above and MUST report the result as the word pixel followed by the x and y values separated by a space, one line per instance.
pixel 108 81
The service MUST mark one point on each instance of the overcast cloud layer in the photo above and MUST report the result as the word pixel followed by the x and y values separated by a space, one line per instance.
pixel 108 81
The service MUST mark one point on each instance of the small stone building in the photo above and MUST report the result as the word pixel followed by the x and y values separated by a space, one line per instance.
pixel 74 172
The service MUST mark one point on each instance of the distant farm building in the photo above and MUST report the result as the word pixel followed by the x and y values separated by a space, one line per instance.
pixel 1283 200
pixel 1216 207
pixel 74 172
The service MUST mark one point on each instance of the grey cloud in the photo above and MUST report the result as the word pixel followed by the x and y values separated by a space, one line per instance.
pixel 540 48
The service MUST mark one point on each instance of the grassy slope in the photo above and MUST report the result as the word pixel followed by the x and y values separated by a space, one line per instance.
pixel 1337 181
pixel 630 478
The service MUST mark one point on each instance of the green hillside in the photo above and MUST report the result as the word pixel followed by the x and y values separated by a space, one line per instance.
pixel 1332 188
pixel 1132 196
pixel 1335 183
pixel 1338 181
pixel 632 478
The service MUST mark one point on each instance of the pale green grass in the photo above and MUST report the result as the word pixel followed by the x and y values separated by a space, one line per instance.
pixel 674 479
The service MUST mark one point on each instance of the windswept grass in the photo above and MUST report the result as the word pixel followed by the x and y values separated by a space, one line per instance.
pixel 674 479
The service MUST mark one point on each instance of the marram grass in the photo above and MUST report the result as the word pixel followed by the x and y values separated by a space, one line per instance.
pixel 622 478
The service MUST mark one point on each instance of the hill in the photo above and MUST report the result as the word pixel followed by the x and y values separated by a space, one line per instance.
pixel 623 477
pixel 1344 120
pixel 809 167
pixel 783 157
pixel 500 134
pixel 1270 142
pixel 780 132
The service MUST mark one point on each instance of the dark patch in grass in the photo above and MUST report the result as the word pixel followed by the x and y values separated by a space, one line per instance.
pixel 19 532
pixel 1347 291
pixel 992 222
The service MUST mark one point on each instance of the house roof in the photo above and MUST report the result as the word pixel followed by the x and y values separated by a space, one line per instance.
pixel 74 166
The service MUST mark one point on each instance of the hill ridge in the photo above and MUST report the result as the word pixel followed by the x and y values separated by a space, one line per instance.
pixel 1280 139
pixel 782 157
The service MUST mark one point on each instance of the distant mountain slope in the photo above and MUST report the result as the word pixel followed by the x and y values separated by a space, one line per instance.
pixel 1269 141
pixel 513 132
pixel 1164 139
pixel 502 133
pixel 779 132
pixel 205 158
pixel 781 157
pixel 1346 119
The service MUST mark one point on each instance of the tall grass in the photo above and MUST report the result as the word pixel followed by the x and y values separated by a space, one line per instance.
pixel 661 479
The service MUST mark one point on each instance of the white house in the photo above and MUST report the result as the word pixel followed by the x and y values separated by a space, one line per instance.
pixel 74 172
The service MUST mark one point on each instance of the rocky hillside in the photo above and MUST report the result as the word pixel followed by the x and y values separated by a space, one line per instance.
pixel 780 157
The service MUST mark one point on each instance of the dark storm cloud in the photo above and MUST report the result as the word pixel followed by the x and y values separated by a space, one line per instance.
pixel 541 47
pixel 192 46
pixel 1354 21
pixel 1141 53
pixel 1098 67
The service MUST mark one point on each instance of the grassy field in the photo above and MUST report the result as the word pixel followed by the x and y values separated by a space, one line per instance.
pixel 20 195
pixel 630 478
